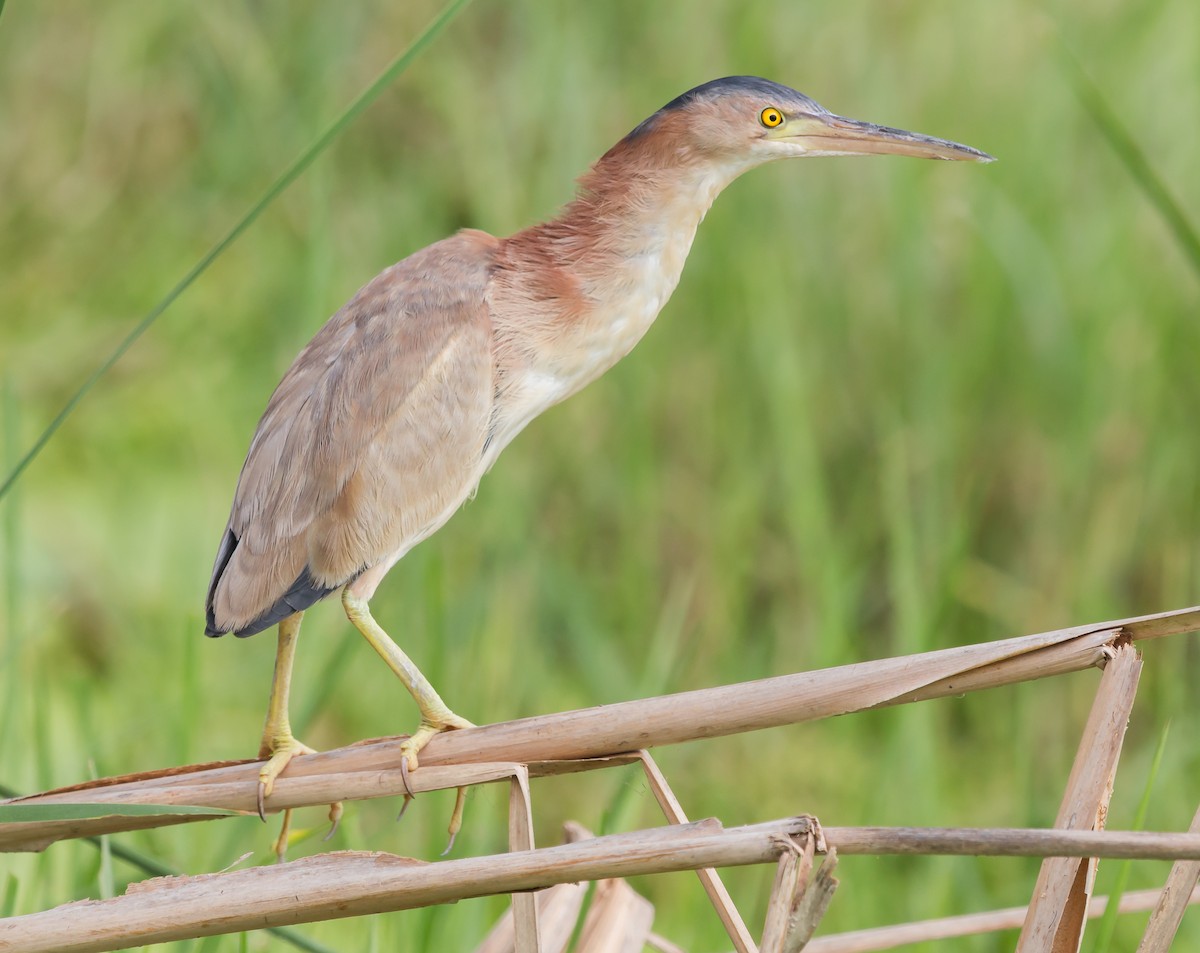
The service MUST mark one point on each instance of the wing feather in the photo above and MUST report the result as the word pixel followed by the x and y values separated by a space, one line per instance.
pixel 371 440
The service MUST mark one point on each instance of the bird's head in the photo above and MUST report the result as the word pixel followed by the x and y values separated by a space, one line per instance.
pixel 745 121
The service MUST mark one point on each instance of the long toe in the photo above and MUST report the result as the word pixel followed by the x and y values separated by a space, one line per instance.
pixel 431 725
pixel 282 752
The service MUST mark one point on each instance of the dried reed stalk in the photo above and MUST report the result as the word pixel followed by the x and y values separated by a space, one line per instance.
pixel 1058 910
pixel 798 899
pixel 554 743
pixel 1179 891
pixel 558 910
pixel 968 924
pixel 526 930
pixel 352 883
pixel 718 896
pixel 1013 842
pixel 618 921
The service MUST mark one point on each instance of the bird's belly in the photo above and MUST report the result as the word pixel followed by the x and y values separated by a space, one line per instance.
pixel 365 584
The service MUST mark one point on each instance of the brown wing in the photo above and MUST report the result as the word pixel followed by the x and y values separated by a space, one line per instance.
pixel 372 437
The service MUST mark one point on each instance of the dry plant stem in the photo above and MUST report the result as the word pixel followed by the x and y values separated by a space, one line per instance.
pixel 791 879
pixel 558 911
pixel 722 902
pixel 1013 842
pixel 1180 890
pixel 353 884
pixel 604 731
pixel 618 921
pixel 526 932
pixel 1058 910
pixel 969 924
pixel 203 787
pixel 811 905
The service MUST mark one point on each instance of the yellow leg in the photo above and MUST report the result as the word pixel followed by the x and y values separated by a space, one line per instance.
pixel 279 745
pixel 435 715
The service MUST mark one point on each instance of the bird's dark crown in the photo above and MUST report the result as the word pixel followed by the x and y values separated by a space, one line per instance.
pixel 771 92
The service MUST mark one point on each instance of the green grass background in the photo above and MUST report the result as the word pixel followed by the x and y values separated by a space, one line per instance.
pixel 893 406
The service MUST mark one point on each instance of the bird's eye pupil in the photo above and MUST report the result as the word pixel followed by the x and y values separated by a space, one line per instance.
pixel 770 117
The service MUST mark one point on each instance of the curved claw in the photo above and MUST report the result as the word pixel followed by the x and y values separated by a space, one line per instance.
pixel 262 797
pixel 404 769
pixel 409 794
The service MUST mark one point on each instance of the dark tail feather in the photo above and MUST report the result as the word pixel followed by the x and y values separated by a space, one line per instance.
pixel 224 554
pixel 302 594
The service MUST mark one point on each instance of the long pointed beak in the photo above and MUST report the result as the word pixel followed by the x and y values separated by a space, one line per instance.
pixel 831 135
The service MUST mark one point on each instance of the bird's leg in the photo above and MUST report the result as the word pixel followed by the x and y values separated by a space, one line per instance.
pixel 435 715
pixel 279 745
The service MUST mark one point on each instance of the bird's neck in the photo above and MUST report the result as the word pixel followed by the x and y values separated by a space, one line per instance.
pixel 571 297
pixel 601 271
pixel 632 225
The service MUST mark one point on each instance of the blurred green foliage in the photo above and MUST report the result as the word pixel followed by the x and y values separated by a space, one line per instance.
pixel 893 406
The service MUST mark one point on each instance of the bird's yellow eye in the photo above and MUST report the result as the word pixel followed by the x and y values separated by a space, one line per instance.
pixel 770 117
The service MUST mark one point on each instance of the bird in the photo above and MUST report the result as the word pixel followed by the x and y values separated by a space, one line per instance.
pixel 387 420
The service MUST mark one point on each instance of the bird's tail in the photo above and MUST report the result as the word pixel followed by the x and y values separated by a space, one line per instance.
pixel 301 594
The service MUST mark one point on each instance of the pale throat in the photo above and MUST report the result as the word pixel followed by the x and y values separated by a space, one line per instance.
pixel 635 264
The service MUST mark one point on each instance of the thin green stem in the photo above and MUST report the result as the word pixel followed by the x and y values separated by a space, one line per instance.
pixel 9 529
pixel 1135 160
pixel 286 178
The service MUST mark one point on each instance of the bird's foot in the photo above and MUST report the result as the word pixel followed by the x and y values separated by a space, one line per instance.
pixel 279 752
pixel 432 723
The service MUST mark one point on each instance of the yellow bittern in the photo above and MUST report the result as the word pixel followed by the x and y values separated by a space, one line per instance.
pixel 387 420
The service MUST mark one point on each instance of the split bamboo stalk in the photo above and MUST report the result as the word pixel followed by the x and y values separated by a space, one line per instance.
pixel 1058 910
pixel 546 741
pixel 352 883
pixel 798 900
pixel 875 939
pixel 812 904
pixel 792 873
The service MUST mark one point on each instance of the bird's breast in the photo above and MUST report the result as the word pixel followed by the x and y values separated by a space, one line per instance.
pixel 568 356
pixel 618 287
